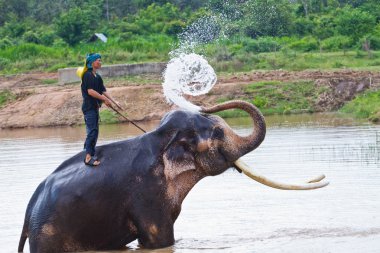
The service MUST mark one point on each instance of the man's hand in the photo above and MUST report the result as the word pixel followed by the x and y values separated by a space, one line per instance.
pixel 107 102
pixel 117 104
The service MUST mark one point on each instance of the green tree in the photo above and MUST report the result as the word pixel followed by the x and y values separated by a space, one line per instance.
pixel 77 24
pixel 14 27
pixel 17 7
pixel 159 18
pixel 354 22
pixel 267 18
pixel 324 26
pixel 373 8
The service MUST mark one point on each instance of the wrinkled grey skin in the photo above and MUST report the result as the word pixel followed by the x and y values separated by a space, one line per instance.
pixel 138 189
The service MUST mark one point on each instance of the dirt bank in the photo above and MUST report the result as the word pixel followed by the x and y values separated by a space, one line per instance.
pixel 40 104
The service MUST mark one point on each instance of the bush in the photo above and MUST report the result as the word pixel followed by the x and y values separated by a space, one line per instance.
pixel 3 63
pixel 364 106
pixel 263 44
pixel 59 43
pixel 324 26
pixel 302 26
pixel 47 38
pixel 336 43
pixel 124 36
pixel 174 27
pixel 75 25
pixel 14 28
pixel 266 18
pixel 5 42
pixel 305 44
pixel 31 37
pixel 375 42
pixel 374 38
pixel 260 102
pixel 130 28
pixel 29 51
pixel 285 40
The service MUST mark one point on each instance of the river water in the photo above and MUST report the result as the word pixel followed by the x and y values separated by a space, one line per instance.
pixel 230 212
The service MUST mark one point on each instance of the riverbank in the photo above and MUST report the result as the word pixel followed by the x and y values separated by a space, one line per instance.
pixel 36 99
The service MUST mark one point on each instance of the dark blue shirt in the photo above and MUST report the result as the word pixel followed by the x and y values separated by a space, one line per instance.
pixel 95 82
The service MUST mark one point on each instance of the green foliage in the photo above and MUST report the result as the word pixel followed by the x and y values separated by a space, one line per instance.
pixel 31 37
pixel 4 62
pixel 266 18
pixel 5 42
pixel 374 42
pixel 174 27
pixel 261 34
pixel 273 97
pixel 14 28
pixel 47 37
pixel 29 57
pixel 354 23
pixel 324 25
pixel 27 51
pixel 305 44
pixel 366 105
pixel 372 7
pixel 108 117
pixel 282 98
pixel 156 18
pixel 337 43
pixel 152 44
pixel 302 26
pixel 262 44
pixel 77 24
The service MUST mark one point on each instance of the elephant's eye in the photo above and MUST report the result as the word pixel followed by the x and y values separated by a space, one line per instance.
pixel 217 134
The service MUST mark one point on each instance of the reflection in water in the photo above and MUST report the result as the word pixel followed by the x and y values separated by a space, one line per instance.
pixel 230 212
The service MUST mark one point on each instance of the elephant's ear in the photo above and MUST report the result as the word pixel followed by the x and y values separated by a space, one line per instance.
pixel 179 154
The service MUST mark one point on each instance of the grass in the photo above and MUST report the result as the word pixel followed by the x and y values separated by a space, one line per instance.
pixel 273 97
pixel 5 97
pixel 108 117
pixel 366 105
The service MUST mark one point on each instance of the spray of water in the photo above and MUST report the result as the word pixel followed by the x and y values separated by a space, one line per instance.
pixel 188 74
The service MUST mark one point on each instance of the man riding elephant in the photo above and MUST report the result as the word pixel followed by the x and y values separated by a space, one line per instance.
pixel 140 185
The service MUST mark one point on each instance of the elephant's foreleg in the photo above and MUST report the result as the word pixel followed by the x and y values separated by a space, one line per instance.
pixel 45 244
pixel 154 236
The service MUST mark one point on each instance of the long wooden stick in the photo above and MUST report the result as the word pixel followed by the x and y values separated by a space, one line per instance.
pixel 122 115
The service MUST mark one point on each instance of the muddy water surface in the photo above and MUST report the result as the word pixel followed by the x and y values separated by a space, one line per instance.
pixel 230 212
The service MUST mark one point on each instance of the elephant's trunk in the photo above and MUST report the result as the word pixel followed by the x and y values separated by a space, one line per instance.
pixel 242 145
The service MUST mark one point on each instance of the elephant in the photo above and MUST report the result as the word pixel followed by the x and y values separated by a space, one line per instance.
pixel 137 190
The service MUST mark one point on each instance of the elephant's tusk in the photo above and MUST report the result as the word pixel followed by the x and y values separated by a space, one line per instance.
pixel 317 179
pixel 312 184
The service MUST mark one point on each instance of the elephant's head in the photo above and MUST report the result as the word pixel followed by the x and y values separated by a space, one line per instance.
pixel 201 144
